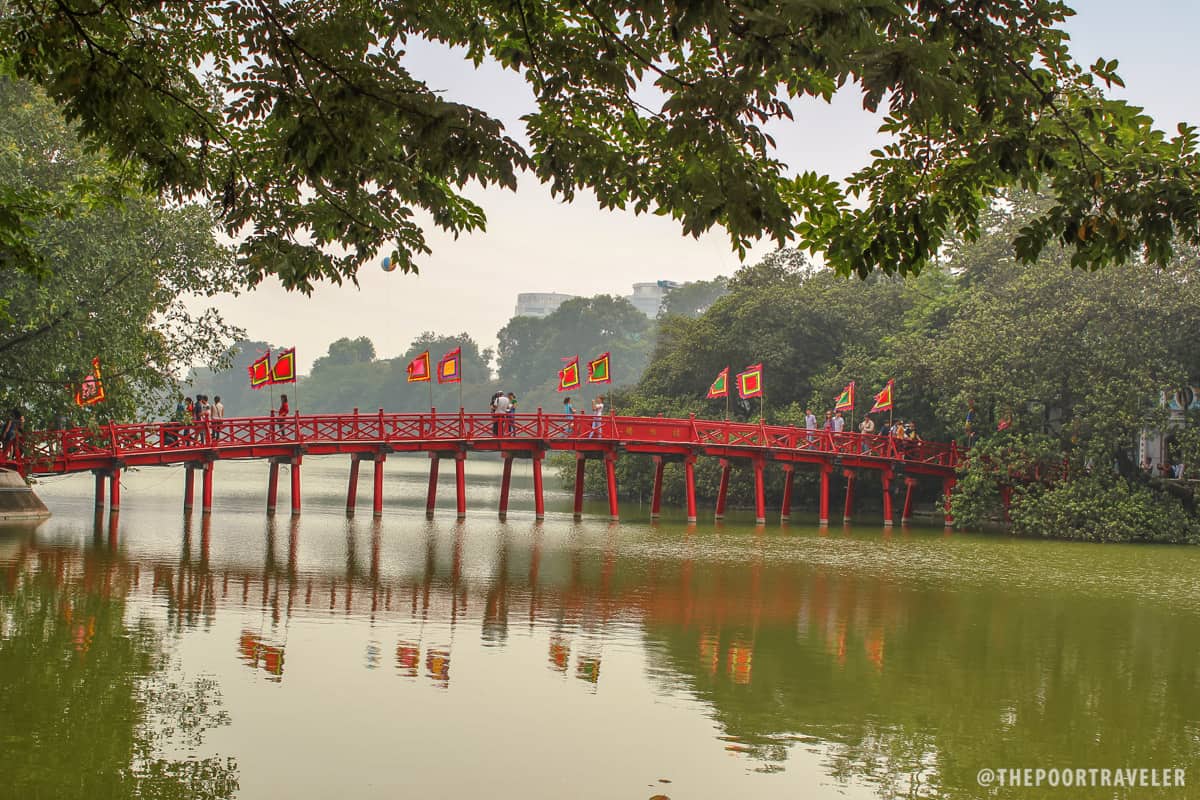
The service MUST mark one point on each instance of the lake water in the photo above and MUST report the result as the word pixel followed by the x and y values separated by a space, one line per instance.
pixel 239 656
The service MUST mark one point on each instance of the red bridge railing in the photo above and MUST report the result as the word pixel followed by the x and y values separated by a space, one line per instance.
pixel 81 449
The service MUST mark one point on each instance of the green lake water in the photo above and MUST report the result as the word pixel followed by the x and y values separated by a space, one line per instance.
pixel 319 657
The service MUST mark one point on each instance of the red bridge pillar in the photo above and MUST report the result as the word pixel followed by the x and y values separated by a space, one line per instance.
pixel 823 515
pixel 723 489
pixel 849 475
pixel 272 487
pixel 906 512
pixel 760 505
pixel 789 473
pixel 206 494
pixel 539 499
pixel 689 477
pixel 189 488
pixel 504 482
pixel 886 479
pixel 431 495
pixel 100 489
pixel 352 485
pixel 610 472
pixel 948 487
pixel 377 487
pixel 656 494
pixel 295 495
pixel 114 489
pixel 580 473
pixel 460 481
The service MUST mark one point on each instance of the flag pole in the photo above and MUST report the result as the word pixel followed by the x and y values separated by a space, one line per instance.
pixel 429 383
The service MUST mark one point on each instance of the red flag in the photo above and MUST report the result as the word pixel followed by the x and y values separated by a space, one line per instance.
pixel 284 370
pixel 450 367
pixel 418 368
pixel 598 370
pixel 749 382
pixel 845 400
pixel 260 371
pixel 91 391
pixel 883 400
pixel 568 376
pixel 720 387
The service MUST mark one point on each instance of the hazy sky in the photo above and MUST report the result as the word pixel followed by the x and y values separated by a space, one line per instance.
pixel 534 243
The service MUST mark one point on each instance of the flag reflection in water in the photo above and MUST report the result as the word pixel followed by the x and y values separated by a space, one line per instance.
pixel 560 652
pixel 408 659
pixel 258 654
pixel 437 665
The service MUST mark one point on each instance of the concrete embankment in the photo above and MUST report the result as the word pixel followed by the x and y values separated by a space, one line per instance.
pixel 17 500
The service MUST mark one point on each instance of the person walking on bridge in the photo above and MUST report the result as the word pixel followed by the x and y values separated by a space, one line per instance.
pixel 218 417
pixel 500 406
pixel 597 416
pixel 282 413
pixel 569 410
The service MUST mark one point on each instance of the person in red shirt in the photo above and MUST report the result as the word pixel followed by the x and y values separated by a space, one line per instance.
pixel 282 413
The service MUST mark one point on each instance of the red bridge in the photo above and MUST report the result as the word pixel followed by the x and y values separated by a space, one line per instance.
pixel 107 450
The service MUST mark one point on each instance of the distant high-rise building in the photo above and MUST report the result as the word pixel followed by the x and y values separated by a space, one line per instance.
pixel 540 304
pixel 648 297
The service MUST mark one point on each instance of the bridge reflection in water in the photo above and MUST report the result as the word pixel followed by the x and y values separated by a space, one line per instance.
pixel 894 670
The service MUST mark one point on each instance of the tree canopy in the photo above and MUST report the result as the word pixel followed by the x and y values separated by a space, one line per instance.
pixel 302 123
pixel 116 279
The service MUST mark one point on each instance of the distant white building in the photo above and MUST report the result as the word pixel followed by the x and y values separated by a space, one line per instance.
pixel 540 304
pixel 648 297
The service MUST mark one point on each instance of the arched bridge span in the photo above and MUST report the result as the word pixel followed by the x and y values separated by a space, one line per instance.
pixel 107 450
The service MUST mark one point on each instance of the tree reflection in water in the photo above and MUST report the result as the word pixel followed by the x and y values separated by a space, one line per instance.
pixel 904 684
pixel 91 704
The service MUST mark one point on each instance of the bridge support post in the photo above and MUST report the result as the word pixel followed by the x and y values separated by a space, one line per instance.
pixel 539 499
pixel 723 489
pixel 431 494
pixel 295 470
pixel 206 492
pixel 505 480
pixel 580 473
pixel 377 485
pixel 848 514
pixel 760 505
pixel 689 478
pixel 948 487
pixel 100 489
pixel 823 513
pixel 886 479
pixel 352 485
pixel 189 488
pixel 460 482
pixel 656 492
pixel 272 487
pixel 789 474
pixel 906 512
pixel 610 472
pixel 114 490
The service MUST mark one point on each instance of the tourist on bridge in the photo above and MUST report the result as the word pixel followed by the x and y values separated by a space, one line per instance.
pixel 282 413
pixel 569 410
pixel 14 429
pixel 189 416
pixel 867 428
pixel 512 414
pixel 828 426
pixel 839 422
pixel 597 416
pixel 218 415
pixel 203 416
pixel 810 423
pixel 500 404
